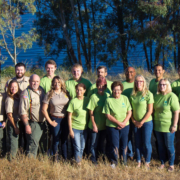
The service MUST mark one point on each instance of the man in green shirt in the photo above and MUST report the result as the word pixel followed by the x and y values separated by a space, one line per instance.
pixel 101 72
pixel 50 67
pixel 128 86
pixel 77 71
pixel 159 73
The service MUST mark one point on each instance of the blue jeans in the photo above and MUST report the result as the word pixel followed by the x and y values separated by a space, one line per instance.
pixel 143 139
pixel 60 132
pixel 78 141
pixel 130 152
pixel 97 141
pixel 114 136
pixel 165 141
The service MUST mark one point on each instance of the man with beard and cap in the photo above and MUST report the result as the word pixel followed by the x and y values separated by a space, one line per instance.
pixel 101 72
pixel 128 85
pixel 32 117
pixel 23 82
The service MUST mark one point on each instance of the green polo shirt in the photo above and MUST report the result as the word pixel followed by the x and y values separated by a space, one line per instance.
pixel 127 88
pixel 46 83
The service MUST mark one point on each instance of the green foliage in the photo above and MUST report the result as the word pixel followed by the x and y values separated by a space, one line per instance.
pixel 8 72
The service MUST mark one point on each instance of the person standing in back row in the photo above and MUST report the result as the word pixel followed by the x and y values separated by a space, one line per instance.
pixel 23 82
pixel 101 72
pixel 128 85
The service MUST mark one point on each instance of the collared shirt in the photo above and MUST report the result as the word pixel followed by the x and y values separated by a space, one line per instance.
pixel 46 83
pixel 23 84
pixel 57 104
pixel 12 106
pixel 31 104
pixel 2 106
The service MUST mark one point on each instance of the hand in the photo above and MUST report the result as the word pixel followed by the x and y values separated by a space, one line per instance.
pixel 95 129
pixel 139 124
pixel 173 129
pixel 28 129
pixel 54 123
pixel 122 125
pixel 71 133
pixel 4 125
pixel 118 127
pixel 17 130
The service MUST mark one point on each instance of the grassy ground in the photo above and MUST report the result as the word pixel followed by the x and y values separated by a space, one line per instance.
pixel 43 168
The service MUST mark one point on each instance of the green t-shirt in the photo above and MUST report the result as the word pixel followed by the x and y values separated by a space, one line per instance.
pixel 118 108
pixel 93 88
pixel 176 87
pixel 80 114
pixel 46 83
pixel 127 88
pixel 96 104
pixel 164 106
pixel 140 105
pixel 71 83
pixel 153 86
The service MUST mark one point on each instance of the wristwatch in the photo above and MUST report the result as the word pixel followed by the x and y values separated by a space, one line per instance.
pixel 175 126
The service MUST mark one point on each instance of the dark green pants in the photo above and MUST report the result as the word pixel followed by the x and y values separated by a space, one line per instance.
pixel 36 139
pixel 13 139
pixel 2 141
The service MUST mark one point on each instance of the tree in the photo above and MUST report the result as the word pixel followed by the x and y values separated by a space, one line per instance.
pixel 10 21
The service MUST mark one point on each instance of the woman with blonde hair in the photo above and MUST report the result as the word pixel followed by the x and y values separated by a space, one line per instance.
pixel 166 115
pixel 12 107
pixel 57 101
pixel 142 106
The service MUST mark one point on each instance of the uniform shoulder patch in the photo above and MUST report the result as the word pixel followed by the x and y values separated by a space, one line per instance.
pixel 25 97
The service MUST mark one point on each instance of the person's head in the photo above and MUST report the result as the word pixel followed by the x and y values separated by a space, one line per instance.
pixel 130 74
pixel 77 71
pixel 117 89
pixel 140 85
pixel 58 83
pixel 20 69
pixel 34 82
pixel 164 87
pixel 159 71
pixel 102 71
pixel 80 89
pixel 50 67
pixel 101 84
pixel 13 88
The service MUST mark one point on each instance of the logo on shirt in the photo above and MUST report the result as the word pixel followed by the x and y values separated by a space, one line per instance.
pixel 142 99
pixel 123 105
pixel 165 103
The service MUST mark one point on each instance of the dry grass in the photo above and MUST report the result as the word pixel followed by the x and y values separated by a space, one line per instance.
pixel 43 168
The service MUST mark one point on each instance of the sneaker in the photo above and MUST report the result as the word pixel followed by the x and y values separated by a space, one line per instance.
pixel 113 166
pixel 171 169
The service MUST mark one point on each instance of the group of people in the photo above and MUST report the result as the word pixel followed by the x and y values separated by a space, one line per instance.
pixel 101 117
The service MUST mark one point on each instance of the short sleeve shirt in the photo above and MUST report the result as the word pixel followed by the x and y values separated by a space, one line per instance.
pixel 93 88
pixel 117 108
pixel 46 83
pixel 96 104
pixel 153 86
pixel 127 88
pixel 71 83
pixel 176 87
pixel 12 106
pixel 140 105
pixel 164 106
pixel 80 114
pixel 57 104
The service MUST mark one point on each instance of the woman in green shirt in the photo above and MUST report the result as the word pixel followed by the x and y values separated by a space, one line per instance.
pixel 97 124
pixel 77 121
pixel 118 112
pixel 166 114
pixel 142 105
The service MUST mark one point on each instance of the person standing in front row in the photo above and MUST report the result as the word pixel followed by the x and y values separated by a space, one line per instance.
pixel 117 109
pixel 77 71
pixel 12 107
pixel 23 82
pixel 142 105
pixel 166 115
pixel 97 124
pixel 128 86
pixel 101 73
pixel 57 101
pixel 31 115
pixel 78 118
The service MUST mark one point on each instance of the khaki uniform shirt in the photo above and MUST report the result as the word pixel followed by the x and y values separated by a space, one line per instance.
pixel 12 106
pixel 2 106
pixel 23 84
pixel 31 104
pixel 57 104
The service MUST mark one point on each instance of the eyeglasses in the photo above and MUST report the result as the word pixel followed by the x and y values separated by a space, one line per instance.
pixel 139 81
pixel 162 84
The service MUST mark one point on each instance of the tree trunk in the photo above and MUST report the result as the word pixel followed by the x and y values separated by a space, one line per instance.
pixel 157 54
